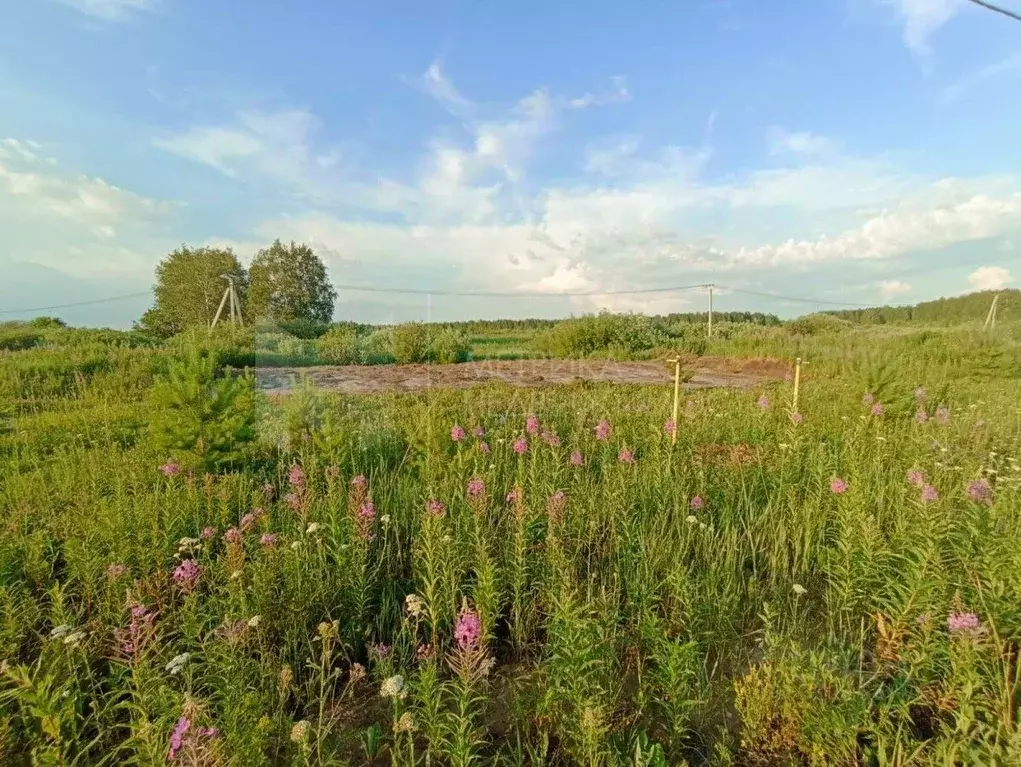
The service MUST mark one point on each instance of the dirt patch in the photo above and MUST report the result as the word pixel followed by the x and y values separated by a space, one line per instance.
pixel 357 379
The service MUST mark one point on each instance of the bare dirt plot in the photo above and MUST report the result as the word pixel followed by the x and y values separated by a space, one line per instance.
pixel 357 379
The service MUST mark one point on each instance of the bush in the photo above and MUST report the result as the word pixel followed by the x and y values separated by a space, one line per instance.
pixel 451 346
pixel 410 342
pixel 298 348
pixel 18 339
pixel 605 335
pixel 814 324
pixel 378 347
pixel 339 346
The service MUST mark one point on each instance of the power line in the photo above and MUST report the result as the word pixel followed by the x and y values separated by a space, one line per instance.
pixel 795 298
pixel 515 294
pixel 997 9
pixel 77 303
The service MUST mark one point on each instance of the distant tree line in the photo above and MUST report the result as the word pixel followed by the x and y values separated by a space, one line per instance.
pixel 943 311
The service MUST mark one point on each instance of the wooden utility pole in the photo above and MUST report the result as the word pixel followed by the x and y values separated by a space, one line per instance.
pixel 235 304
pixel 710 310
pixel 991 317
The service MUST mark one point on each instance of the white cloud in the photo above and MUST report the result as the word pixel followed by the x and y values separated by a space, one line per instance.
pixel 109 10
pixel 618 94
pixel 434 82
pixel 802 142
pixel 990 278
pixel 1008 66
pixel 892 288
pixel 922 18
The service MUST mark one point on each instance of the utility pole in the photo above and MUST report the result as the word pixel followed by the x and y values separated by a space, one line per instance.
pixel 710 286
pixel 235 305
pixel 991 317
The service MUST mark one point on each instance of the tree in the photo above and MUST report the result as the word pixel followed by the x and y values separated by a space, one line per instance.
pixel 289 283
pixel 189 286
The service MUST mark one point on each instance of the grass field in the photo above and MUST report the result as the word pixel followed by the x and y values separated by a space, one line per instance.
pixel 190 572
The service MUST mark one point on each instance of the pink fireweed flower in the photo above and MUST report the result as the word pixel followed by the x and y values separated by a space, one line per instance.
pixel 551 438
pixel 233 535
pixel 920 395
pixel 476 487
pixel 435 508
pixel 268 541
pixel 929 494
pixel 532 424
pixel 514 495
pixel 484 448
pixel 696 503
pixel 603 430
pixel 366 518
pixel 140 630
pixel 916 477
pixel 359 482
pixel 296 477
pixel 520 446
pixel 838 486
pixel 921 416
pixel 177 737
pixel 556 504
pixel 763 402
pixel 625 456
pixel 170 469
pixel 877 409
pixel 868 399
pixel 186 574
pixel 208 533
pixel 113 572
pixel 380 650
pixel 468 629
pixel 576 458
pixel 293 501
pixel 670 427
pixel 456 433
pixel 960 623
pixel 797 418
pixel 367 511
pixel 943 415
pixel 479 431
pixel 981 491
pixel 251 519
pixel 424 652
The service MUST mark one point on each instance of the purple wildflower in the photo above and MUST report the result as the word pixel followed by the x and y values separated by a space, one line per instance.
pixel 877 409
pixel 479 431
pixel 233 535
pixel 959 623
pixel 696 503
pixel 367 511
pixel 625 456
pixel 268 541
pixel 514 495
pixel 296 476
pixel 868 399
pixel 359 482
pixel 921 416
pixel 943 415
pixel 476 487
pixel 532 424
pixel 293 501
pixel 170 469
pixel 208 533
pixel 929 494
pixel 981 491
pixel 186 574
pixel 484 448
pixel 468 629
pixel 603 430
pixel 381 650
pixel 797 418
pixel 551 438
pixel 838 486
pixel 763 402
pixel 521 446
pixel 249 520
pixel 576 458
pixel 670 427
pixel 177 737
pixel 456 433
pixel 435 508
pixel 212 733
pixel 916 477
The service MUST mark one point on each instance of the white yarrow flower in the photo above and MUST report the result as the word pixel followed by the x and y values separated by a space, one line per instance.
pixel 254 621
pixel 177 663
pixel 393 687
pixel 60 631
pixel 312 529
pixel 800 590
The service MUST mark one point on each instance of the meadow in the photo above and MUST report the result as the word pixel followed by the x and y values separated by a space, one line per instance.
pixel 194 573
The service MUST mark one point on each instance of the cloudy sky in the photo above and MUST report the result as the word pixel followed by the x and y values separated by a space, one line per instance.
pixel 855 151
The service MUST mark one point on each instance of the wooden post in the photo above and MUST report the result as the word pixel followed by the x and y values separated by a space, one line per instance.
pixel 219 311
pixel 991 317
pixel 710 310
pixel 797 383
pixel 677 396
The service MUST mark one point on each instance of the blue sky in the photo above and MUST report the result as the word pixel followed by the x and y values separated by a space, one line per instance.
pixel 857 151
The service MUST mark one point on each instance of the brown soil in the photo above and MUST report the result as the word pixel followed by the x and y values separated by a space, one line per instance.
pixel 357 379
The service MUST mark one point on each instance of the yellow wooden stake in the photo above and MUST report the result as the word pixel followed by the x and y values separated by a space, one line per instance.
pixel 797 383
pixel 677 396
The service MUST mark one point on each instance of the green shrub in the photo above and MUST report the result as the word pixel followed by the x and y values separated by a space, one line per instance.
pixel 378 347
pixel 451 346
pixel 340 346
pixel 814 324
pixel 410 342
pixel 298 348
pixel 19 339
